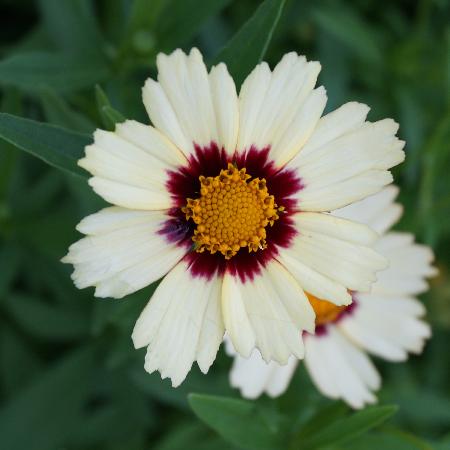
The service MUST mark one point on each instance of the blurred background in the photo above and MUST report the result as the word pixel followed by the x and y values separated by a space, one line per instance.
pixel 69 376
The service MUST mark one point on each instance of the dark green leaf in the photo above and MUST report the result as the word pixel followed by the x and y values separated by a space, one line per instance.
pixel 56 146
pixel 72 25
pixel 182 20
pixel 58 112
pixel 388 440
pixel 237 421
pixel 109 115
pixel 43 414
pixel 61 72
pixel 348 428
pixel 249 45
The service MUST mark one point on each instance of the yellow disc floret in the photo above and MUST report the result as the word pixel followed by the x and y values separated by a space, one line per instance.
pixel 326 312
pixel 232 212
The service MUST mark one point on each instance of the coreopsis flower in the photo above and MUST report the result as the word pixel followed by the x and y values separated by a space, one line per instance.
pixel 387 322
pixel 225 197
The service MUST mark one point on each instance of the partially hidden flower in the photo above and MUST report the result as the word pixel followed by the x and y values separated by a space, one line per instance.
pixel 225 196
pixel 387 322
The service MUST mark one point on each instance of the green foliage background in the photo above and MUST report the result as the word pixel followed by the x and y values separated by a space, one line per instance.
pixel 69 377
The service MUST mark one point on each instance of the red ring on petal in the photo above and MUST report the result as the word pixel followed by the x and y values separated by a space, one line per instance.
pixel 209 161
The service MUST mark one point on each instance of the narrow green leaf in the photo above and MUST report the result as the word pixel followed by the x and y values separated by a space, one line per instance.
pixel 61 72
pixel 58 112
pixel 350 427
pixel 43 414
pixel 112 114
pixel 56 146
pixel 72 25
pixel 249 45
pixel 109 115
pixel 237 421
pixel 183 19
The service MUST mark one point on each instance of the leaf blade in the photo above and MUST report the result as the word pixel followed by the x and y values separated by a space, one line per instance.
pixel 56 146
pixel 237 421
pixel 350 427
pixel 249 45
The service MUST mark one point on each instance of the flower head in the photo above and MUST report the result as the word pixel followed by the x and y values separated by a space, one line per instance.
pixel 227 197
pixel 385 322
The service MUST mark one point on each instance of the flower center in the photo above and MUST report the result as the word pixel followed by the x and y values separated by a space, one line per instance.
pixel 232 212
pixel 326 312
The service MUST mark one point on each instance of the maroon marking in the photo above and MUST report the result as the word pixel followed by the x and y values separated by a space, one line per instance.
pixel 209 161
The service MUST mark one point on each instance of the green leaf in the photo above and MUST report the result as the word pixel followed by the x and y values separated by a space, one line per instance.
pixel 320 420
pixel 72 26
pixel 56 146
pixel 249 45
pixel 388 440
pixel 46 409
pixel 58 112
pixel 182 20
pixel 348 428
pixel 61 72
pixel 237 421
pixel 109 115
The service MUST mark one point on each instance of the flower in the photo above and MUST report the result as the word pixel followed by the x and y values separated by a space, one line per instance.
pixel 385 322
pixel 225 196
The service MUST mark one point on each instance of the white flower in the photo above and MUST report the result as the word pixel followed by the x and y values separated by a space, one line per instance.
pixel 385 322
pixel 226 196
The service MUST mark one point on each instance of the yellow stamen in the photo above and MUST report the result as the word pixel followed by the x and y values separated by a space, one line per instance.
pixel 232 212
pixel 326 312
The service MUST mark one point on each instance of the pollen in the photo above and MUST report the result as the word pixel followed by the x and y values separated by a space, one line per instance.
pixel 232 212
pixel 326 312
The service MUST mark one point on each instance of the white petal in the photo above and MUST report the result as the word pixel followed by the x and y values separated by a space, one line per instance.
pixel 186 89
pixel 173 321
pixel 349 167
pixel 378 211
pixel 386 321
pixel 253 376
pixel 340 370
pixel 226 107
pixel 409 265
pixel 275 310
pixel 305 120
pixel 278 108
pixel 151 141
pixel 281 377
pixel 337 250
pixel 123 251
pixel 235 317
pixel 341 121
pixel 313 282
pixel 163 116
pixel 387 332
pixel 129 175
pixel 211 335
